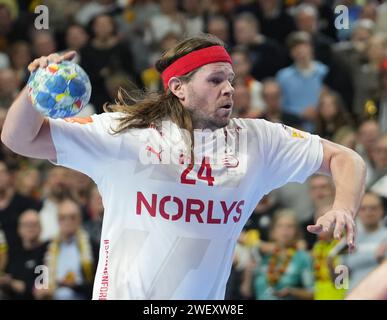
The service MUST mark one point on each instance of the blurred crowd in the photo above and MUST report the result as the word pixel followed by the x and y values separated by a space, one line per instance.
pixel 294 64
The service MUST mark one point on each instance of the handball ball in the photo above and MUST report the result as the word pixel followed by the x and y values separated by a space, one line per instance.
pixel 60 90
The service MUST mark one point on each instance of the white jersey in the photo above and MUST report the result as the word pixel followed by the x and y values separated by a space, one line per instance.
pixel 170 229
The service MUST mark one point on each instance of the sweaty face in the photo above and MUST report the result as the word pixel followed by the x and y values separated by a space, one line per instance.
pixel 209 96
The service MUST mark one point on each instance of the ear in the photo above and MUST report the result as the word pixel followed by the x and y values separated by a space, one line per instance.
pixel 177 87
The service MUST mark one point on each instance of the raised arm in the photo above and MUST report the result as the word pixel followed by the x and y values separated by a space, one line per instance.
pixel 25 130
pixel 348 171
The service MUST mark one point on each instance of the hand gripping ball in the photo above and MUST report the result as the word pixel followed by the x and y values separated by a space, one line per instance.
pixel 59 90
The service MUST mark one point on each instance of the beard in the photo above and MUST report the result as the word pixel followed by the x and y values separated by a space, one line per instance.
pixel 59 192
pixel 201 120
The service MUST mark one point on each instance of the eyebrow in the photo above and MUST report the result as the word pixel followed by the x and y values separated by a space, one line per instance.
pixel 232 75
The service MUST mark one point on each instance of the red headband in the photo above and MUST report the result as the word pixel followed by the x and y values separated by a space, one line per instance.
pixel 194 60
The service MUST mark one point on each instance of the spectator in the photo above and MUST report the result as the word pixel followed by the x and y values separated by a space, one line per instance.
pixel 55 189
pixel 369 11
pixel 43 43
pixel 105 55
pixel 354 11
pixel 69 257
pixel 272 97
pixel 20 55
pixel 266 55
pixel 219 27
pixel 242 68
pixel 371 245
pixel 194 17
pixel 9 87
pixel 286 273
pixel 21 269
pixel 367 137
pixel 14 24
pixel 133 23
pixel 61 13
pixel 367 77
pixel 244 256
pixel 302 82
pixel 79 186
pixel 352 53
pixel 376 107
pixel 12 204
pixel 170 19
pixel 331 115
pixel 321 192
pixel 324 264
pixel 345 136
pixel 242 101
pixel 262 216
pixel 89 9
pixel 378 184
pixel 326 24
pixel 275 22
pixel 307 20
pixel 76 37
pixel 338 77
pixel 94 211
pixel 28 183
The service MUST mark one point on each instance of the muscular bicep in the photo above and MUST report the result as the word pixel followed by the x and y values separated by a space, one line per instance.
pixel 330 149
pixel 42 147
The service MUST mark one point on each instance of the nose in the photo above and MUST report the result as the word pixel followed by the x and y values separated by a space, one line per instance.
pixel 228 89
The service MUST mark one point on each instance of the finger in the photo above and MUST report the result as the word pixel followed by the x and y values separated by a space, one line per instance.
pixel 43 62
pixel 56 58
pixel 326 222
pixel 33 65
pixel 351 232
pixel 315 228
pixel 68 55
pixel 339 227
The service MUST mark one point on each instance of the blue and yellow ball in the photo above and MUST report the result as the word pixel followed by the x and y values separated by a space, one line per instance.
pixel 59 90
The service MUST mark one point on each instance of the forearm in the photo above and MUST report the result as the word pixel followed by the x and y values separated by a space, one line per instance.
pixel 22 124
pixel 374 287
pixel 348 172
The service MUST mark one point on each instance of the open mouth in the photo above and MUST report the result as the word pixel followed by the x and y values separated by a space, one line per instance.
pixel 227 106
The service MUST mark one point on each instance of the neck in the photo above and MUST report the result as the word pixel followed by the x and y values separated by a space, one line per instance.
pixel 105 42
pixel 67 237
pixel 273 113
pixel 30 244
pixel 203 125
pixel 270 11
pixel 283 245
pixel 304 64
pixel 372 228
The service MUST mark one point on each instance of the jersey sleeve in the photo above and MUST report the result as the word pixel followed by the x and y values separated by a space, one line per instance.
pixel 290 155
pixel 85 144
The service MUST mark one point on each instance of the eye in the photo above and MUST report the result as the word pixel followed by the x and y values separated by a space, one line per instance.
pixel 215 81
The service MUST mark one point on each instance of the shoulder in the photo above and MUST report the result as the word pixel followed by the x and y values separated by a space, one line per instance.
pixel 26 202
pixel 303 258
pixel 321 68
pixel 286 72
pixel 247 123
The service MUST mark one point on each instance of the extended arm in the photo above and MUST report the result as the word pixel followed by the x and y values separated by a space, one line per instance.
pixel 348 171
pixel 25 130
pixel 373 287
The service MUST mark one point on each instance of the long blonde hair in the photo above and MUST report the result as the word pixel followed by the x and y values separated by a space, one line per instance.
pixel 141 109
